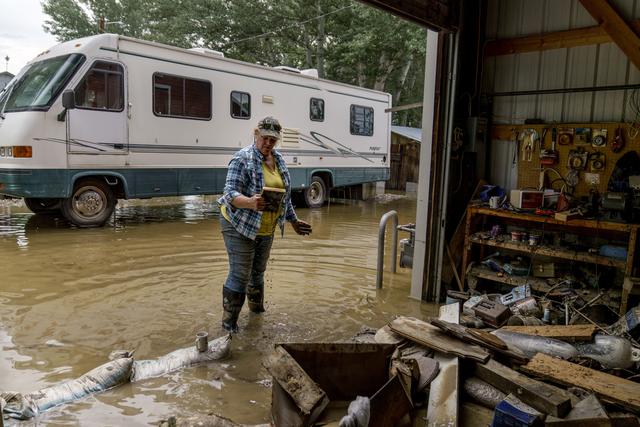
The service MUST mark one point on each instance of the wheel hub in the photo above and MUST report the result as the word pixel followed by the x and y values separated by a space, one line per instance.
pixel 89 203
pixel 315 191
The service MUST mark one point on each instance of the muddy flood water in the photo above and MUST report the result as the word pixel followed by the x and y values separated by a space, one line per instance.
pixel 152 278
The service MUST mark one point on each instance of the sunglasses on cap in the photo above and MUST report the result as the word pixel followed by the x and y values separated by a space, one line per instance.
pixel 270 124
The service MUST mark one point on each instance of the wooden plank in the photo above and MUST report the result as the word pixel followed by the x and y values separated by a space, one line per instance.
pixel 543 397
pixel 561 332
pixel 481 338
pixel 309 399
pixel 432 337
pixel 616 27
pixel 606 386
pixel 631 251
pixel 585 223
pixel 443 406
pixel 466 249
pixel 555 40
pixel 586 413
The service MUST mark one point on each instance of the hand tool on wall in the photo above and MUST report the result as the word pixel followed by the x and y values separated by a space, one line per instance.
pixel 549 157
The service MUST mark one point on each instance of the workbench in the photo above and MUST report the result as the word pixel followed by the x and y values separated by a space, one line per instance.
pixel 476 228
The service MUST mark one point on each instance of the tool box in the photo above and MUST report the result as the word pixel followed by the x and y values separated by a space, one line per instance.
pixel 493 313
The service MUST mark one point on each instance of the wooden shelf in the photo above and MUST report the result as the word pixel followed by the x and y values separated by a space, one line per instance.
pixel 476 220
pixel 482 272
pixel 586 223
pixel 549 251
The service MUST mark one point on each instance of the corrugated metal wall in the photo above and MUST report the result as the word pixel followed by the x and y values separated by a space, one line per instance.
pixel 596 65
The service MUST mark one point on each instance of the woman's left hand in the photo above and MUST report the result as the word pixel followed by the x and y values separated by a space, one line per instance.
pixel 301 227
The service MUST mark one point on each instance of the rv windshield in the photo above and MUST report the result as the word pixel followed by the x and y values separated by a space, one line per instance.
pixel 40 84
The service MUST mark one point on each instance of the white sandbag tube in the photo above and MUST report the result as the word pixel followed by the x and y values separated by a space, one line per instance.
pixel 102 378
pixel 218 349
pixel 121 369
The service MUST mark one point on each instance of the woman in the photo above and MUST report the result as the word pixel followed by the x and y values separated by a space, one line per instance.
pixel 246 226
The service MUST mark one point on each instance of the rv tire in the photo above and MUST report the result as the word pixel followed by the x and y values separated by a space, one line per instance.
pixel 42 205
pixel 91 203
pixel 316 194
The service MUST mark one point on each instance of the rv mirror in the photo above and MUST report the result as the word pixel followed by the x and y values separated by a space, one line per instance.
pixel 69 99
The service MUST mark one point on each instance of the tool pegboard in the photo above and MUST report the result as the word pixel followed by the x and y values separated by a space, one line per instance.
pixel 590 149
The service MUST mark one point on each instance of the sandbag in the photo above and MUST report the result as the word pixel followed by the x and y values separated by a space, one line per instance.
pixel 218 349
pixel 102 378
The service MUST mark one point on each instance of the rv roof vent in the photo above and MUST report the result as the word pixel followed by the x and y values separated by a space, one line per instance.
pixel 311 72
pixel 289 69
pixel 207 51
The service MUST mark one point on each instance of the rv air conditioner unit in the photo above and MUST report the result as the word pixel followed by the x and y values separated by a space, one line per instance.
pixel 206 51
pixel 311 72
pixel 289 69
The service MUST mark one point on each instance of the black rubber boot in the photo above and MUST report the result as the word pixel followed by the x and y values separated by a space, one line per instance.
pixel 232 304
pixel 255 295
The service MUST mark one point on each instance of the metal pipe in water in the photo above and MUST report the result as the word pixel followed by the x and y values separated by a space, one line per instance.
pixel 394 247
pixel 202 342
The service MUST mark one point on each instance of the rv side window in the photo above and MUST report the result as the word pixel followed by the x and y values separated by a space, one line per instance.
pixel 316 109
pixel 361 120
pixel 181 97
pixel 240 105
pixel 102 88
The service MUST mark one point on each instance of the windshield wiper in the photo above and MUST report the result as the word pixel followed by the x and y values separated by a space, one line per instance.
pixel 6 100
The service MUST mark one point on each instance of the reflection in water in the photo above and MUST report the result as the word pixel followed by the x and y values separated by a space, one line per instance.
pixel 151 278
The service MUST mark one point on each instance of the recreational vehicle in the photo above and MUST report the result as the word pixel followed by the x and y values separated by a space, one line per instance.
pixel 108 117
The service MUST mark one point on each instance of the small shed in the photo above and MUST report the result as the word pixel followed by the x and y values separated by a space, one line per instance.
pixel 405 157
pixel 5 77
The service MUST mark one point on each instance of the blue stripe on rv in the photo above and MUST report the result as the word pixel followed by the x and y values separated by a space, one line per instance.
pixel 143 183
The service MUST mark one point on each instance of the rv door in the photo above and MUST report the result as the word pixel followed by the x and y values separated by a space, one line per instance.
pixel 97 123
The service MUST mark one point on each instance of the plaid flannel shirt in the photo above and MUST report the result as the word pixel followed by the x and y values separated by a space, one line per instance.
pixel 244 177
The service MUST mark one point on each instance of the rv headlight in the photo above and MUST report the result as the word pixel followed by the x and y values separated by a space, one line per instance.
pixel 1 151
pixel 9 152
pixel 24 151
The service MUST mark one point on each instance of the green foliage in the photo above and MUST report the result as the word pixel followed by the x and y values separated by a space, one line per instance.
pixel 345 40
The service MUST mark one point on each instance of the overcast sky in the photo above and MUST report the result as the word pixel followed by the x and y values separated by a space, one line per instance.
pixel 21 33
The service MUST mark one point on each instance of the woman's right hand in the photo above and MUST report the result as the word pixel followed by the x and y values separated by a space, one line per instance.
pixel 256 202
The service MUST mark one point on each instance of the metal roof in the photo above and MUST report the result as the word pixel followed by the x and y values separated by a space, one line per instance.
pixel 408 132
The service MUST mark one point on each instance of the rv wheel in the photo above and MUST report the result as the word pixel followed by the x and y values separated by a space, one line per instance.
pixel 316 194
pixel 42 205
pixel 91 203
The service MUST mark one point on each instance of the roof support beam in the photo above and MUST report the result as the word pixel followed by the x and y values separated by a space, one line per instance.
pixel 622 35
pixel 556 40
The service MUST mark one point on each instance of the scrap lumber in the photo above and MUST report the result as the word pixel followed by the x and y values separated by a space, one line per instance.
pixel 443 406
pixel 428 335
pixel 543 397
pixel 606 386
pixel 561 332
pixel 586 413
pixel 480 337
pixel 309 398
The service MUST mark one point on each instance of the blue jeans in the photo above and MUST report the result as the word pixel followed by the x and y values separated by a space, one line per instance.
pixel 247 258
